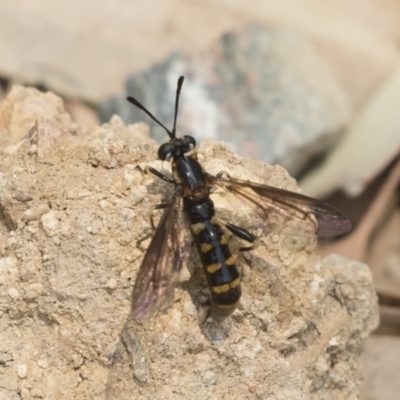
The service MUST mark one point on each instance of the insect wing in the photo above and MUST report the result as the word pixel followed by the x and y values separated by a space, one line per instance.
pixel 298 214
pixel 162 263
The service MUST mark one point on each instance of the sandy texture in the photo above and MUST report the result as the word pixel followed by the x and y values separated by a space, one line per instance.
pixel 74 228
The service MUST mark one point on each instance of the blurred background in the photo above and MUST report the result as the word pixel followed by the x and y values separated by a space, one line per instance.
pixel 313 86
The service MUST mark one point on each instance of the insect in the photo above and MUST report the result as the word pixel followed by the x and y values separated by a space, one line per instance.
pixel 191 205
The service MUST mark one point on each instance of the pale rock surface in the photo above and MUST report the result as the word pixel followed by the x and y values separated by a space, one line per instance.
pixel 368 146
pixel 22 107
pixel 74 228
pixel 381 365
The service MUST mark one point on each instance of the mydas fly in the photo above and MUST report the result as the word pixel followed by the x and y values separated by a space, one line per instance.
pixel 191 205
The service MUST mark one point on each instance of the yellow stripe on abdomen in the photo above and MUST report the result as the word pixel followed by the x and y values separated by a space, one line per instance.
pixel 206 247
pixel 197 228
pixel 223 240
pixel 226 287
pixel 230 261
pixel 229 307
pixel 212 268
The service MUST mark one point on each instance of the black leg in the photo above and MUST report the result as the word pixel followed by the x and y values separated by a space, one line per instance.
pixel 160 175
pixel 222 173
pixel 157 207
pixel 245 235
pixel 161 206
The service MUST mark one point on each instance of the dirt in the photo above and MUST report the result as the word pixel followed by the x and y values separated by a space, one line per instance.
pixel 75 224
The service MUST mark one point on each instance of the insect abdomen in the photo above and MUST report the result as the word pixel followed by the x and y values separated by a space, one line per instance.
pixel 222 275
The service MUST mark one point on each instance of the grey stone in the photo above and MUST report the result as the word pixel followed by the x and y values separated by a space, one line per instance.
pixel 263 91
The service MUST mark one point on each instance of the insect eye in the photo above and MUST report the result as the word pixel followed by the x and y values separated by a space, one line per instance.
pixel 189 142
pixel 165 151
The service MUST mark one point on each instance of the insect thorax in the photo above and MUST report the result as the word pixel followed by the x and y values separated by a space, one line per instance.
pixel 188 172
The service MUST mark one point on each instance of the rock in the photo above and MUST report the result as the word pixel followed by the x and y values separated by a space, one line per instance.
pixel 21 108
pixel 349 169
pixel 298 332
pixel 381 361
pixel 22 371
pixel 264 91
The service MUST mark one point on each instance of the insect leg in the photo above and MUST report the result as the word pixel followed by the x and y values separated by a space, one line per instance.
pixel 245 235
pixel 223 174
pixel 157 207
pixel 161 206
pixel 160 175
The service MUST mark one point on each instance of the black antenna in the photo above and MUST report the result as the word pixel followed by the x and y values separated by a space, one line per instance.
pixel 143 108
pixel 178 92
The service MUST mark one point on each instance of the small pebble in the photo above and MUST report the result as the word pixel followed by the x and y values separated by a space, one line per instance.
pixel 43 363
pixel 22 370
pixel 77 360
pixel 103 204
pixel 13 293
pixel 112 283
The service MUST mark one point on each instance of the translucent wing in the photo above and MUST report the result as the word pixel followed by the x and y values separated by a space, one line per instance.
pixel 295 212
pixel 162 263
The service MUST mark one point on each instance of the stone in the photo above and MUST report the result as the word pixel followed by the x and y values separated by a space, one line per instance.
pixel 264 91
pixel 298 332
pixel 21 108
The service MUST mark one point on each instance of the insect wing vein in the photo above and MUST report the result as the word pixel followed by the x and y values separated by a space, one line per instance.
pixel 162 263
pixel 297 213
